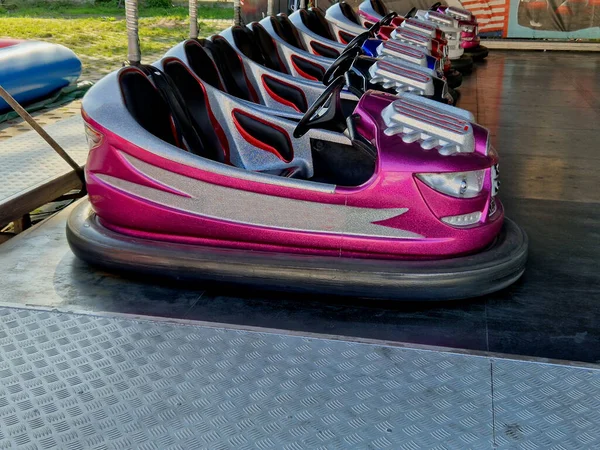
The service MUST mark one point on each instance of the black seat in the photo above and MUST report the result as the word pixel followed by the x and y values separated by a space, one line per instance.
pixel 160 109
pixel 201 63
pixel 315 21
pixel 196 101
pixel 379 7
pixel 245 42
pixel 349 12
pixel 286 30
pixel 145 104
pixel 258 45
pixel 341 164
pixel 263 135
pixel 203 66
pixel 231 68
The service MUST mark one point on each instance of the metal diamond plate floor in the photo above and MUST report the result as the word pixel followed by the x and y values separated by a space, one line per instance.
pixel 74 381
pixel 27 161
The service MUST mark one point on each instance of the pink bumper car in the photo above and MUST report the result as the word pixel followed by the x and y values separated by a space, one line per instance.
pixel 397 200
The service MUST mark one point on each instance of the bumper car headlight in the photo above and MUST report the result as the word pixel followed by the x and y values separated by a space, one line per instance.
pixel 463 220
pixel 93 137
pixel 456 184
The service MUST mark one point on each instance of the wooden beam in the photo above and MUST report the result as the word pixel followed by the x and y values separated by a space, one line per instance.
pixel 18 207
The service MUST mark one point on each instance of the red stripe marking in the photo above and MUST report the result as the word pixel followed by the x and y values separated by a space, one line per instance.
pixel 9 42
pixel 536 5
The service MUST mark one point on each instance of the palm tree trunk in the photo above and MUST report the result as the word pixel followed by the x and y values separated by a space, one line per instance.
pixel 193 19
pixel 237 12
pixel 134 53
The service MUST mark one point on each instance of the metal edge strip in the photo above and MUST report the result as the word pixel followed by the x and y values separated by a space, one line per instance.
pixel 310 335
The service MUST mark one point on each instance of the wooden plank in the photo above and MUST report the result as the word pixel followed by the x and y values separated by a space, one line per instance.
pixel 24 204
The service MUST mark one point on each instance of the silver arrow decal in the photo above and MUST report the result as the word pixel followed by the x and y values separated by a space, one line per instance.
pixel 256 209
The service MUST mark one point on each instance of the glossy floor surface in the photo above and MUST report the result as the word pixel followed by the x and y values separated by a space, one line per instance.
pixel 543 110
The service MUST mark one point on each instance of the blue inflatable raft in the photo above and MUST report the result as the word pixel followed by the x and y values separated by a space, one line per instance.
pixel 32 70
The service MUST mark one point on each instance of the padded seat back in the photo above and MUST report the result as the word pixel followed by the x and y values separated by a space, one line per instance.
pixel 379 7
pixel 197 103
pixel 231 68
pixel 201 63
pixel 245 42
pixel 349 13
pixel 146 105
pixel 286 30
pixel 258 45
pixel 149 108
pixel 315 21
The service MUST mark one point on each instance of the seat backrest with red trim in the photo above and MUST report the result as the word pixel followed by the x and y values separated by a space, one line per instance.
pixel 286 30
pixel 196 101
pixel 257 44
pixel 315 21
pixel 231 68
pixel 145 104
pixel 151 111
pixel 204 67
pixel 154 109
pixel 349 12
pixel 379 7
pixel 201 63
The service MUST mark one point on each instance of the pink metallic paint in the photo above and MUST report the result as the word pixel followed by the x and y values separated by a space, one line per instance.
pixel 368 17
pixel 392 186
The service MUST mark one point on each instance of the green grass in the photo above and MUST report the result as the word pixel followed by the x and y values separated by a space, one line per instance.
pixel 65 9
pixel 99 31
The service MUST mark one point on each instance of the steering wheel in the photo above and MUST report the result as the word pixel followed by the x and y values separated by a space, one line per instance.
pixel 326 109
pixel 411 13
pixel 341 64
pixel 435 6
pixel 371 32
pixel 385 20
pixel 344 61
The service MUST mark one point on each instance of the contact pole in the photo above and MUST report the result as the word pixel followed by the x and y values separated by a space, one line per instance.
pixel 237 12
pixel 134 53
pixel 193 19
